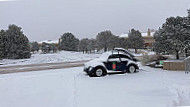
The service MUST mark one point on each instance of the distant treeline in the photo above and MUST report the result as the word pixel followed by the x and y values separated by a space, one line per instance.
pixel 15 45
pixel 104 41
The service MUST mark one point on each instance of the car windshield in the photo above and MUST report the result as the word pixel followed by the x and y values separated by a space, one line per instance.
pixel 104 55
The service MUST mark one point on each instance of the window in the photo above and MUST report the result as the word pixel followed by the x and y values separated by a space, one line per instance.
pixel 124 56
pixel 114 56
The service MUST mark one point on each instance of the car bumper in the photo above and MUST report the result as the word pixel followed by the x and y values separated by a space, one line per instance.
pixel 88 70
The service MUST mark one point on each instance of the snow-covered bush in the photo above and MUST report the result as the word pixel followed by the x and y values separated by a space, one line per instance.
pixel 145 59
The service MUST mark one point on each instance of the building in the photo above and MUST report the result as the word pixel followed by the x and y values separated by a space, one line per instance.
pixel 55 42
pixel 148 39
pixel 147 36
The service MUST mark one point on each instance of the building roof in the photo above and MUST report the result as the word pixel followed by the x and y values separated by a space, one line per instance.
pixel 50 41
pixel 144 34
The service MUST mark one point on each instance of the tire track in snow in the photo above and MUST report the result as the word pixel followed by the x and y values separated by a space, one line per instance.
pixel 167 83
pixel 181 93
pixel 75 91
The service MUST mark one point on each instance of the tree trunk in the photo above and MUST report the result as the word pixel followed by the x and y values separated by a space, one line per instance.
pixel 135 50
pixel 177 54
pixel 105 49
pixel 186 54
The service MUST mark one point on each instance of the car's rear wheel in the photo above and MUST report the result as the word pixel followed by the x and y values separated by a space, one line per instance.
pixel 131 69
pixel 100 71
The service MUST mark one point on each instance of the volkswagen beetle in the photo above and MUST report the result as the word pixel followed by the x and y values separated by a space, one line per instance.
pixel 111 61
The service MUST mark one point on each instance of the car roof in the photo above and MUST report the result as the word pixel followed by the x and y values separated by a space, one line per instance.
pixel 125 51
pixel 107 54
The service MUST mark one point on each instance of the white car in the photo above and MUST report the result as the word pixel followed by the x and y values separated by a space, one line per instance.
pixel 110 61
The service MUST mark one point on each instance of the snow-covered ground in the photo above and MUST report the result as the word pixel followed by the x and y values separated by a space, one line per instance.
pixel 72 88
pixel 63 56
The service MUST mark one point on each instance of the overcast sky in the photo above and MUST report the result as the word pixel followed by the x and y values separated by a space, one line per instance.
pixel 48 19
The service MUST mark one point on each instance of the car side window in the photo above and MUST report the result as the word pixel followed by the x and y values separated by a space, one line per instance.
pixel 124 57
pixel 114 56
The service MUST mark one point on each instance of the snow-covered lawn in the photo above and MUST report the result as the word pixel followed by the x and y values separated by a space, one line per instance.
pixel 72 88
pixel 63 56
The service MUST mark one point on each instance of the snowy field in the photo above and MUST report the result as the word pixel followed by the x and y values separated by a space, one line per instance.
pixel 63 56
pixel 72 88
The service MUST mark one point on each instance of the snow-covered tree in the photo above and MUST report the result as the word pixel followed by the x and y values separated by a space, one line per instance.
pixel 34 47
pixel 123 43
pixel 173 37
pixel 135 40
pixel 3 40
pixel 114 42
pixel 87 45
pixel 91 45
pixel 68 42
pixel 161 45
pixel 105 40
pixel 83 45
pixel 15 43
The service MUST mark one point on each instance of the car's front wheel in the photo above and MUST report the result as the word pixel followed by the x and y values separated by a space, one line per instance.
pixel 100 71
pixel 131 69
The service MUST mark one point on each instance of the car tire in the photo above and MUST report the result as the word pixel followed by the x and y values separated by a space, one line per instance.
pixel 100 71
pixel 131 69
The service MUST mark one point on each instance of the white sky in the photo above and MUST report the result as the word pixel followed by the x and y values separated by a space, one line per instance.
pixel 48 19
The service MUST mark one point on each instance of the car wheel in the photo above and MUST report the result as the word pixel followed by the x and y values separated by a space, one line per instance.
pixel 100 71
pixel 131 69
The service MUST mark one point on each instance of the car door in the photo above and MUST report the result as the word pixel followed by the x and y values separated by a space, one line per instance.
pixel 124 60
pixel 113 62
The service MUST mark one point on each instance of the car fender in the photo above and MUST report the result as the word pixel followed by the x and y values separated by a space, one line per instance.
pixel 132 62
pixel 98 64
pixel 95 63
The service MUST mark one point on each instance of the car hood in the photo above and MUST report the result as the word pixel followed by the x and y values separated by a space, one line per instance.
pixel 95 62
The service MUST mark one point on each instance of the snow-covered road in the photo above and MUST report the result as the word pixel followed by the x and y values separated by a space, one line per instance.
pixel 72 88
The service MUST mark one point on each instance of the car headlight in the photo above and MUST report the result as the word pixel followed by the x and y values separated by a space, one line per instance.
pixel 90 68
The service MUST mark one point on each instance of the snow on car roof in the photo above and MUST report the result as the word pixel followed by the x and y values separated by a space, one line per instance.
pixel 107 54
pixel 125 51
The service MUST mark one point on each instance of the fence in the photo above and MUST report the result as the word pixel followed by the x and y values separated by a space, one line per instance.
pixel 187 64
